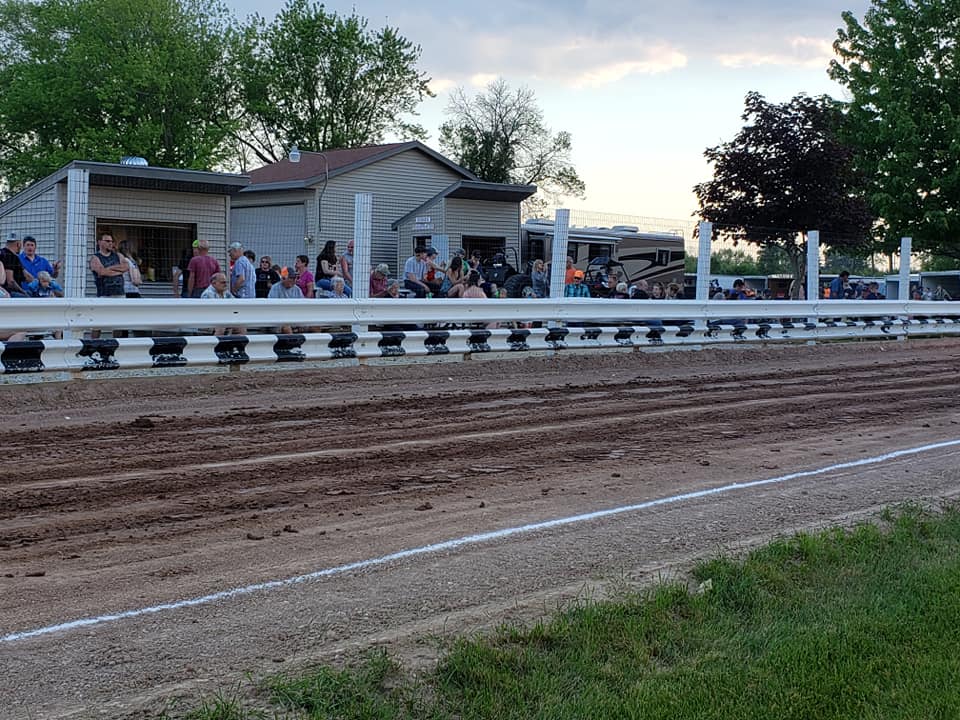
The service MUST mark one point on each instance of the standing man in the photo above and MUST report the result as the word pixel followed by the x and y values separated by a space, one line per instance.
pixel 414 270
pixel 34 263
pixel 108 268
pixel 840 286
pixel 202 267
pixel 243 277
pixel 14 277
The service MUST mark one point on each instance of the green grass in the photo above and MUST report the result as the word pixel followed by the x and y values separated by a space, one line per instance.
pixel 861 623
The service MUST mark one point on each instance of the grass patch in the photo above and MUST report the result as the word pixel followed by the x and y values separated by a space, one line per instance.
pixel 860 623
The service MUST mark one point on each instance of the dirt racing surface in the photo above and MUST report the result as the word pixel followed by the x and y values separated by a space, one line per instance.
pixel 121 501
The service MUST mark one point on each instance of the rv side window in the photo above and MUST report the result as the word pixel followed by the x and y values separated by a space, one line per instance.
pixel 663 257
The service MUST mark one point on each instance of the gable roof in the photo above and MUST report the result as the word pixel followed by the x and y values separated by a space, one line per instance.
pixel 314 167
pixel 474 190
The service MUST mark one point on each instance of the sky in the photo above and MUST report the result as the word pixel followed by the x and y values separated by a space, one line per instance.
pixel 644 88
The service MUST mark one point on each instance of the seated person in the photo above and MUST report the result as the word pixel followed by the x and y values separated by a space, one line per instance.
pixel 337 289
pixel 287 288
pixel 43 286
pixel 379 280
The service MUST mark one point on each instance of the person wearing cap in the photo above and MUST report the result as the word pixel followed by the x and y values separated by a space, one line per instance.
pixel 739 291
pixel 577 288
pixel 201 268
pixel 243 278
pixel 378 280
pixel 15 276
pixel 287 288
pixel 414 270
pixel 34 263
pixel 434 275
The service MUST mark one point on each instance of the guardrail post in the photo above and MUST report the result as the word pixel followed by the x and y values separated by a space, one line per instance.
pixel 558 253
pixel 703 261
pixel 906 247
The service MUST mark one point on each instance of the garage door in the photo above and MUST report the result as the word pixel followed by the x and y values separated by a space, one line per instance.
pixel 274 230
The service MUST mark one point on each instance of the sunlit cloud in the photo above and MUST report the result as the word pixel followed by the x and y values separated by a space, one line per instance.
pixel 442 85
pixel 608 74
pixel 481 80
pixel 803 52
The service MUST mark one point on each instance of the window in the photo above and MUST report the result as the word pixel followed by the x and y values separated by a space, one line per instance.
pixel 157 247
pixel 487 246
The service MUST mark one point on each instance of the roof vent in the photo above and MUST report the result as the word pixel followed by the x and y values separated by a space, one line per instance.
pixel 134 160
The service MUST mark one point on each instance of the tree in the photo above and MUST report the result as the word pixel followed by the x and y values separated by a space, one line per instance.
pixel 783 174
pixel 902 70
pixel 314 79
pixel 99 79
pixel 500 136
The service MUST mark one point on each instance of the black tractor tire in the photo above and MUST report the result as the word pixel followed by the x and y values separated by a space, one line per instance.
pixel 515 285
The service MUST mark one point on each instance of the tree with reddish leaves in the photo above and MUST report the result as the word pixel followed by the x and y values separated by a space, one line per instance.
pixel 786 173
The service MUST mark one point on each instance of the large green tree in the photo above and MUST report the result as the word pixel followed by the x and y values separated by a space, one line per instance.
pixel 501 136
pixel 99 79
pixel 783 174
pixel 902 69
pixel 317 80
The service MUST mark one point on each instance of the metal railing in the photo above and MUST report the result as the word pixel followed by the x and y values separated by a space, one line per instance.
pixel 360 330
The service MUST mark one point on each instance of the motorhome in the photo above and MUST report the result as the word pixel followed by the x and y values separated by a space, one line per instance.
pixel 650 256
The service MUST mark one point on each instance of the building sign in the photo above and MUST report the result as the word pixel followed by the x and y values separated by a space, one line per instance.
pixel 422 222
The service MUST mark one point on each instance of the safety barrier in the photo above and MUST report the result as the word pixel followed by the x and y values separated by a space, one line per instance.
pixel 389 329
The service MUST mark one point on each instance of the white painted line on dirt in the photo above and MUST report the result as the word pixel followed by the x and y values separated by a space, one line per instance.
pixel 459 542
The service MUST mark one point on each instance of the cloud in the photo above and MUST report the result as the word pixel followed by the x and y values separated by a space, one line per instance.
pixel 481 80
pixel 442 85
pixel 800 51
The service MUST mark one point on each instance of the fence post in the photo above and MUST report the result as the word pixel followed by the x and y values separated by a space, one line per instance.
pixel 558 253
pixel 362 236
pixel 906 247
pixel 703 261
pixel 813 265
pixel 75 253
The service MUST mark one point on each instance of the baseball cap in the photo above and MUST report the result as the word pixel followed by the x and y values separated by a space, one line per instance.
pixel 460 251
pixel 289 272
pixel 233 245
pixel 578 274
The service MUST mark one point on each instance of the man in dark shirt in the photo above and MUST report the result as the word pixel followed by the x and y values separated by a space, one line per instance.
pixel 15 276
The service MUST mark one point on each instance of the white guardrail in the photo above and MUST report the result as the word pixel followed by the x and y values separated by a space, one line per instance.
pixel 168 330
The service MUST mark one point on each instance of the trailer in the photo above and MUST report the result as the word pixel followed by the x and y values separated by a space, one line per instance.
pixel 650 256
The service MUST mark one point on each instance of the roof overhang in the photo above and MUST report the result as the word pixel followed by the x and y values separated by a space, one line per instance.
pixel 475 190
pixel 141 177
pixel 156 178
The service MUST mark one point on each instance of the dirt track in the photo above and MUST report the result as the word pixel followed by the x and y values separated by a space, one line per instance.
pixel 121 495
